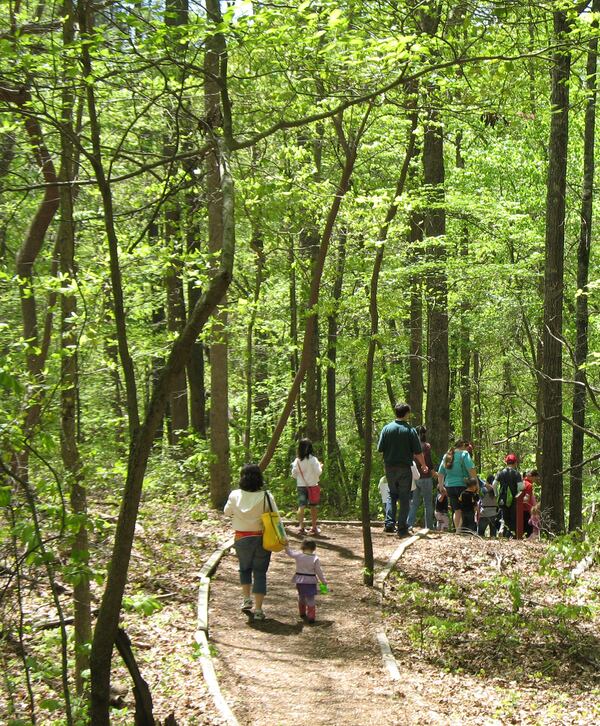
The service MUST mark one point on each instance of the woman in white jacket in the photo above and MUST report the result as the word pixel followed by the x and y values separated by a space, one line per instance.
pixel 246 506
pixel 306 470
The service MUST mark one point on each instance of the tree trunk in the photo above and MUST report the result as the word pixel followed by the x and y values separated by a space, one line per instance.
pixel 333 453
pixel 257 245
pixel 178 400
pixel 438 374
pixel 582 315
pixel 350 151
pixel 552 448
pixel 220 475
pixel 195 367
pixel 82 625
pixel 415 360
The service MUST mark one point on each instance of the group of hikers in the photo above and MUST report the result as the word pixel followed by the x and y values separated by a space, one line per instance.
pixel 476 505
pixel 410 474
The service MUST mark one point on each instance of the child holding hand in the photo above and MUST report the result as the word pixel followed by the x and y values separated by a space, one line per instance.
pixel 308 574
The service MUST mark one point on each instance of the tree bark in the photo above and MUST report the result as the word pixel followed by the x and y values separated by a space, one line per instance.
pixel 552 448
pixel 438 373
pixel 415 352
pixel 70 367
pixel 178 400
pixel 583 264
pixel 220 475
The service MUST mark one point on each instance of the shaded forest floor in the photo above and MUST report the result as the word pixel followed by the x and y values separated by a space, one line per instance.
pixel 480 633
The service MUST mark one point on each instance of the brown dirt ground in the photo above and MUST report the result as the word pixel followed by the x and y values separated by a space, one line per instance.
pixel 283 671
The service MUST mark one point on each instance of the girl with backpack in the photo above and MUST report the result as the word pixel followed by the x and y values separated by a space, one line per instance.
pixel 306 470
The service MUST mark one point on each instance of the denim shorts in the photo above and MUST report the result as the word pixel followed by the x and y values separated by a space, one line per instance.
pixel 303 498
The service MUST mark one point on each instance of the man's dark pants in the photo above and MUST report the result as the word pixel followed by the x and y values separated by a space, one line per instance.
pixel 399 480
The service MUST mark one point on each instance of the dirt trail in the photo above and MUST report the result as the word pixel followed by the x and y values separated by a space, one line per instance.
pixel 283 671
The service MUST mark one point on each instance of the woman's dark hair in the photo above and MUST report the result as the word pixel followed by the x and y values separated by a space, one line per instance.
pixel 490 479
pixel 449 457
pixel 305 448
pixel 251 478
pixel 422 431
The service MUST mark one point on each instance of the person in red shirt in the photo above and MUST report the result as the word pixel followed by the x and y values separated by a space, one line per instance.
pixel 529 499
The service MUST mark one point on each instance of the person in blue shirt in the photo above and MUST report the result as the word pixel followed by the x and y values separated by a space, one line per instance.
pixel 454 471
pixel 399 443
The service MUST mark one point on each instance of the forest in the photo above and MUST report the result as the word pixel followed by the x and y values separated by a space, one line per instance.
pixel 228 225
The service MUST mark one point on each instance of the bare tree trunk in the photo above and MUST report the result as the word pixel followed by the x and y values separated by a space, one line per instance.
pixel 438 375
pixel 415 360
pixel 552 449
pixel 195 367
pixel 333 453
pixel 582 314
pixel 82 625
pixel 176 314
pixel 257 245
pixel 220 476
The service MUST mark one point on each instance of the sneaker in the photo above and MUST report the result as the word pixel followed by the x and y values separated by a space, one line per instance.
pixel 247 605
pixel 389 529
pixel 259 615
pixel 314 531
pixel 403 533
pixel 301 530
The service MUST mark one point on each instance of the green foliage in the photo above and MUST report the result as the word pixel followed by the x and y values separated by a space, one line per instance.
pixel 141 603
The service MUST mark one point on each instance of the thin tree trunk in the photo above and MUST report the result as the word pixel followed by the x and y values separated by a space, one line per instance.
pixel 195 367
pixel 582 314
pixel 178 400
pixel 257 245
pixel 220 476
pixel 415 353
pixel 374 315
pixel 82 625
pixel 333 453
pixel 552 449
pixel 309 332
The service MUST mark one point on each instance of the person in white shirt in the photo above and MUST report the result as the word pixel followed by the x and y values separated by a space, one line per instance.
pixel 306 470
pixel 246 506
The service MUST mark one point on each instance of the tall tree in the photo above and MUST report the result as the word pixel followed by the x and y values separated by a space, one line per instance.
pixel 583 265
pixel 215 66
pixel 552 333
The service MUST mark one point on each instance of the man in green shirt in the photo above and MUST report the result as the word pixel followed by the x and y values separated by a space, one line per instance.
pixel 399 443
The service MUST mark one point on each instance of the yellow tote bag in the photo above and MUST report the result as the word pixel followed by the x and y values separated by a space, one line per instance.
pixel 273 532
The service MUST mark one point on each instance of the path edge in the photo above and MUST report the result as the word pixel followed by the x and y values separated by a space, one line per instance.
pixel 379 583
pixel 201 634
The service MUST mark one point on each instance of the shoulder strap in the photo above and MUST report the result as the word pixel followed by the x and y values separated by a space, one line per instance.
pixel 301 473
pixel 267 500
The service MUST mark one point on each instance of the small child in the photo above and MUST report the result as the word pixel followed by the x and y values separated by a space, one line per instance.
pixel 306 470
pixel 535 522
pixel 308 573
pixel 467 502
pixel 441 512
pixel 488 512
